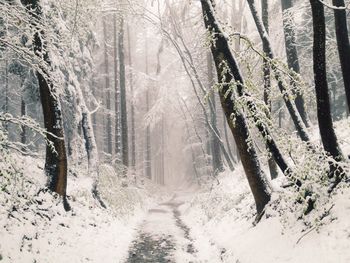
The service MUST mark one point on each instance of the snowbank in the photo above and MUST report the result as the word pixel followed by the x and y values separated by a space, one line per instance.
pixel 224 214
pixel 35 228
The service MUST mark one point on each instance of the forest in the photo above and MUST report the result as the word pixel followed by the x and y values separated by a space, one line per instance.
pixel 184 131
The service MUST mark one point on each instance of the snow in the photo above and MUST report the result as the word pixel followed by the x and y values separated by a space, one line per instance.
pixel 35 228
pixel 224 214
pixel 215 220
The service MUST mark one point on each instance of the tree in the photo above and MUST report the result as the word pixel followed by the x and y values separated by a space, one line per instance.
pixel 237 122
pixel 132 110
pixel 116 89
pixel 108 91
pixel 215 144
pixel 267 80
pixel 56 159
pixel 123 111
pixel 148 160
pixel 299 125
pixel 325 123
pixel 341 30
pixel 292 56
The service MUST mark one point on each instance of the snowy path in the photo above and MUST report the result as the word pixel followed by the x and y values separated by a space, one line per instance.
pixel 163 236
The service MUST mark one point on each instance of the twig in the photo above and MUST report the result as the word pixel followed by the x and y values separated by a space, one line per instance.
pixel 308 232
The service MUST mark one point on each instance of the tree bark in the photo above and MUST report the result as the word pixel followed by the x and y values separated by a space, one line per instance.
pixel 148 161
pixel 292 56
pixel 267 81
pixel 108 92
pixel 132 110
pixel 116 90
pixel 56 161
pixel 123 111
pixel 328 136
pixel 6 106
pixel 342 34
pixel 215 144
pixel 239 128
pixel 23 127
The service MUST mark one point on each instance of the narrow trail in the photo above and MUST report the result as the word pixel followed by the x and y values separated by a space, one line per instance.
pixel 163 237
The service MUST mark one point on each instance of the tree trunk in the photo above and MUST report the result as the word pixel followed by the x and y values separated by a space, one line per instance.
pixel 56 162
pixel 116 90
pixel 132 110
pixel 108 92
pixel 267 81
pixel 292 56
pixel 299 125
pixel 6 106
pixel 259 123
pixel 228 140
pixel 123 111
pixel 341 29
pixel 328 136
pixel 215 144
pixel 23 127
pixel 239 128
pixel 148 161
pixel 90 146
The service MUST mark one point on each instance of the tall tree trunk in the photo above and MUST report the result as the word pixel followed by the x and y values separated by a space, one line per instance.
pixel 148 161
pixel 215 144
pixel 267 81
pixel 56 162
pixel 226 53
pixel 6 106
pixel 341 29
pixel 228 140
pixel 162 152
pixel 108 92
pixel 325 123
pixel 116 90
pixel 292 56
pixel 23 127
pixel 123 111
pixel 299 124
pixel 239 128
pixel 90 145
pixel 132 110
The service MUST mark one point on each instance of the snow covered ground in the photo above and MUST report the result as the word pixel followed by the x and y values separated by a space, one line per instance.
pixel 147 223
pixel 35 228
pixel 224 214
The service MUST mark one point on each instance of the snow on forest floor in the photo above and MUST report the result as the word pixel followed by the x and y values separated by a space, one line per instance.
pixel 147 223
pixel 224 215
pixel 35 228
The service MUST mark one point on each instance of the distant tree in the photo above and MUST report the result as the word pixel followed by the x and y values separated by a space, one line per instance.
pixel 123 111
pixel 215 143
pixel 132 106
pixel 117 107
pixel 148 160
pixel 108 141
pixel 292 55
pixel 298 122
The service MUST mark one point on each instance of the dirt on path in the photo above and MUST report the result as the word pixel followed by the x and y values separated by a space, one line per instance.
pixel 163 237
